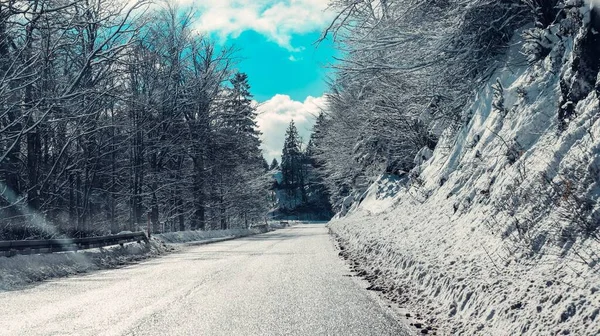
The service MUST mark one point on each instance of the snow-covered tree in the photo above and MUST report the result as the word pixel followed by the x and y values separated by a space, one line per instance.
pixel 300 189
pixel 107 115
pixel 291 159
pixel 408 70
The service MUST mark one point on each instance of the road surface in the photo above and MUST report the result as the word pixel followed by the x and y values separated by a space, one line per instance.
pixel 287 282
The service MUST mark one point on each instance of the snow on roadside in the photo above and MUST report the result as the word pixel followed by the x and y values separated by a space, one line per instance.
pixel 440 269
pixel 22 270
pixel 193 236
pixel 473 243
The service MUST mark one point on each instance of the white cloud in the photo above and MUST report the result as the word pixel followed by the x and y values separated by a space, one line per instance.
pixel 278 20
pixel 293 58
pixel 275 114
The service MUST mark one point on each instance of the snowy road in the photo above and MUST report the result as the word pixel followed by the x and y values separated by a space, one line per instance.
pixel 287 282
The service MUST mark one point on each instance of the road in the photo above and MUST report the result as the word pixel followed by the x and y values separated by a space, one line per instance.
pixel 286 282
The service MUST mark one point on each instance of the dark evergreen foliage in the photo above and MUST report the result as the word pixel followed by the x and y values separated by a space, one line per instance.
pixel 301 191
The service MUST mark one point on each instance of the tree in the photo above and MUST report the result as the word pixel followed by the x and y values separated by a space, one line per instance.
pixel 408 70
pixel 274 164
pixel 318 198
pixel 301 191
pixel 238 164
pixel 291 158
pixel 108 113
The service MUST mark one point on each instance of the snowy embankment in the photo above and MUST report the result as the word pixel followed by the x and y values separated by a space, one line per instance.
pixel 493 233
pixel 200 236
pixel 22 270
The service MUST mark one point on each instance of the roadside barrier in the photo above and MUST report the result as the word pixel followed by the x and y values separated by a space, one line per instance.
pixel 14 247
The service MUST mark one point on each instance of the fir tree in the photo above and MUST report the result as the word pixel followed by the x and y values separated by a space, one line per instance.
pixel 291 158
pixel 302 193
pixel 274 164
pixel 318 195
pixel 241 117
pixel 239 166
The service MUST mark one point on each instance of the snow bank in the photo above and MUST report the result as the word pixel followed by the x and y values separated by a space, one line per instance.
pixel 193 236
pixel 483 240
pixel 22 270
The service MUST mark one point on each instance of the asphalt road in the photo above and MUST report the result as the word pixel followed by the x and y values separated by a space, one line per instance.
pixel 287 282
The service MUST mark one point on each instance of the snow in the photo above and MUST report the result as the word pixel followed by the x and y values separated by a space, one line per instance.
pixel 282 283
pixel 283 224
pixel 475 247
pixel 22 270
pixel 194 236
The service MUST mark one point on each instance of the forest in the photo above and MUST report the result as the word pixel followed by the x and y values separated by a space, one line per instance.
pixel 298 188
pixel 114 114
pixel 117 114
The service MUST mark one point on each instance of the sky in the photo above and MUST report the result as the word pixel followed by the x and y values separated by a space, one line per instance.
pixel 286 69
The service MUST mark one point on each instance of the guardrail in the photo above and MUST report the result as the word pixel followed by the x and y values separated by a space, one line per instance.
pixel 13 247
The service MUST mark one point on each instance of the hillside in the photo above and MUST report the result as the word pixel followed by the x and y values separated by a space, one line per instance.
pixel 495 231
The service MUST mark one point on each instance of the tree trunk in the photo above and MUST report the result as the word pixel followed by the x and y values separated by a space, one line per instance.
pixel 33 151
pixel 12 143
pixel 199 197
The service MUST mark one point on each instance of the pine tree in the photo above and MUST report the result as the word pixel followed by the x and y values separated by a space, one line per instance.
pixel 315 189
pixel 274 164
pixel 242 118
pixel 291 158
pixel 316 139
pixel 301 192
pixel 239 166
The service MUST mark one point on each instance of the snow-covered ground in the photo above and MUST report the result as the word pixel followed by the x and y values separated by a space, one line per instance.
pixel 194 236
pixel 22 270
pixel 488 237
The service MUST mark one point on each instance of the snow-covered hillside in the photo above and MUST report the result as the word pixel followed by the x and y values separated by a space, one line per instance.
pixel 495 233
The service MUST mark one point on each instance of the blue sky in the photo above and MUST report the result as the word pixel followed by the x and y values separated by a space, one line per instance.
pixel 274 70
pixel 276 41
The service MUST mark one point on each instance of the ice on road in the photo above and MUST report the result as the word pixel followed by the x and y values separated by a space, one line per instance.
pixel 287 282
